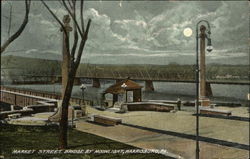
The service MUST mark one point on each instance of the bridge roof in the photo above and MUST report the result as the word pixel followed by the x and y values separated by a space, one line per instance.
pixel 117 89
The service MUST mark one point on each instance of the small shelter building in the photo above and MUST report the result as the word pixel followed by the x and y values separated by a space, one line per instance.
pixel 124 86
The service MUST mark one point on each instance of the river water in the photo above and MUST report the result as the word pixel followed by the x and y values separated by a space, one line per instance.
pixel 163 91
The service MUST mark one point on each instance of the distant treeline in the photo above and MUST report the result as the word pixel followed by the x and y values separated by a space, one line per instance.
pixel 172 71
pixel 15 67
pixel 20 68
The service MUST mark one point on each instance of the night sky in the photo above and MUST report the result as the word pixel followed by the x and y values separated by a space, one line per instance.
pixel 136 32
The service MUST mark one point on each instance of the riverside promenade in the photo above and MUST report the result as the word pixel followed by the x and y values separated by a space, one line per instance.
pixel 175 132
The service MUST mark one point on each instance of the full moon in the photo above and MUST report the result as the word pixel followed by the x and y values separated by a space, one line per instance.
pixel 187 32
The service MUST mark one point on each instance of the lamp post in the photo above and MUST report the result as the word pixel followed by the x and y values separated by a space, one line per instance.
pixel 83 87
pixel 124 86
pixel 202 37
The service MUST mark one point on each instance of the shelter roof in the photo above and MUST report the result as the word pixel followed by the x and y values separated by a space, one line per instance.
pixel 117 89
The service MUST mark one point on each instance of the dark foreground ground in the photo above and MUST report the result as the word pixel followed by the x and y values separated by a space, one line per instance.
pixel 37 138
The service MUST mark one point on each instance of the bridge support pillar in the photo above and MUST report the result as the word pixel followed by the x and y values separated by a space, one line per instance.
pixel 77 81
pixel 96 83
pixel 209 92
pixel 118 80
pixel 149 85
pixel 59 80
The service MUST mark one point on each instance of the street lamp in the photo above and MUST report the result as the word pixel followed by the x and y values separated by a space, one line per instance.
pixel 83 87
pixel 209 48
pixel 124 86
pixel 209 44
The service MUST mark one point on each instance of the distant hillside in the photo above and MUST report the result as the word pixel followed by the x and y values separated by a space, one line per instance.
pixel 15 67
pixel 35 55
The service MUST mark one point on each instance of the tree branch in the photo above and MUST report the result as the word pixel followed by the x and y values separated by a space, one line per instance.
pixel 82 44
pixel 81 15
pixel 70 4
pixel 61 24
pixel 73 50
pixel 71 14
pixel 53 14
pixel 85 37
pixel 21 28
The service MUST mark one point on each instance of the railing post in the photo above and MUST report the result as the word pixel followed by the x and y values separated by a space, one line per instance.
pixel 15 99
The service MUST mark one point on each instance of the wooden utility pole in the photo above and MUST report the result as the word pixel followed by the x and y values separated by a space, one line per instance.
pixel 66 54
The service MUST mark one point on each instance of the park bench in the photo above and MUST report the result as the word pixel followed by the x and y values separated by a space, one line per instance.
pixel 105 120
pixel 215 111
pixel 14 116
pixel 150 106
pixel 5 114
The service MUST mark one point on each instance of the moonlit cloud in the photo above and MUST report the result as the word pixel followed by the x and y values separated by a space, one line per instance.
pixel 138 30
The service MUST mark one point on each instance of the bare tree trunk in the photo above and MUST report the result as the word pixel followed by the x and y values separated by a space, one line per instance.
pixel 64 116
pixel 75 59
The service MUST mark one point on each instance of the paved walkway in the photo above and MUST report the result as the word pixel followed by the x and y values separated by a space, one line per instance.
pixel 227 139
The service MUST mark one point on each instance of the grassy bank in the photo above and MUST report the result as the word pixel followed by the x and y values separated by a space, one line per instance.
pixel 46 138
